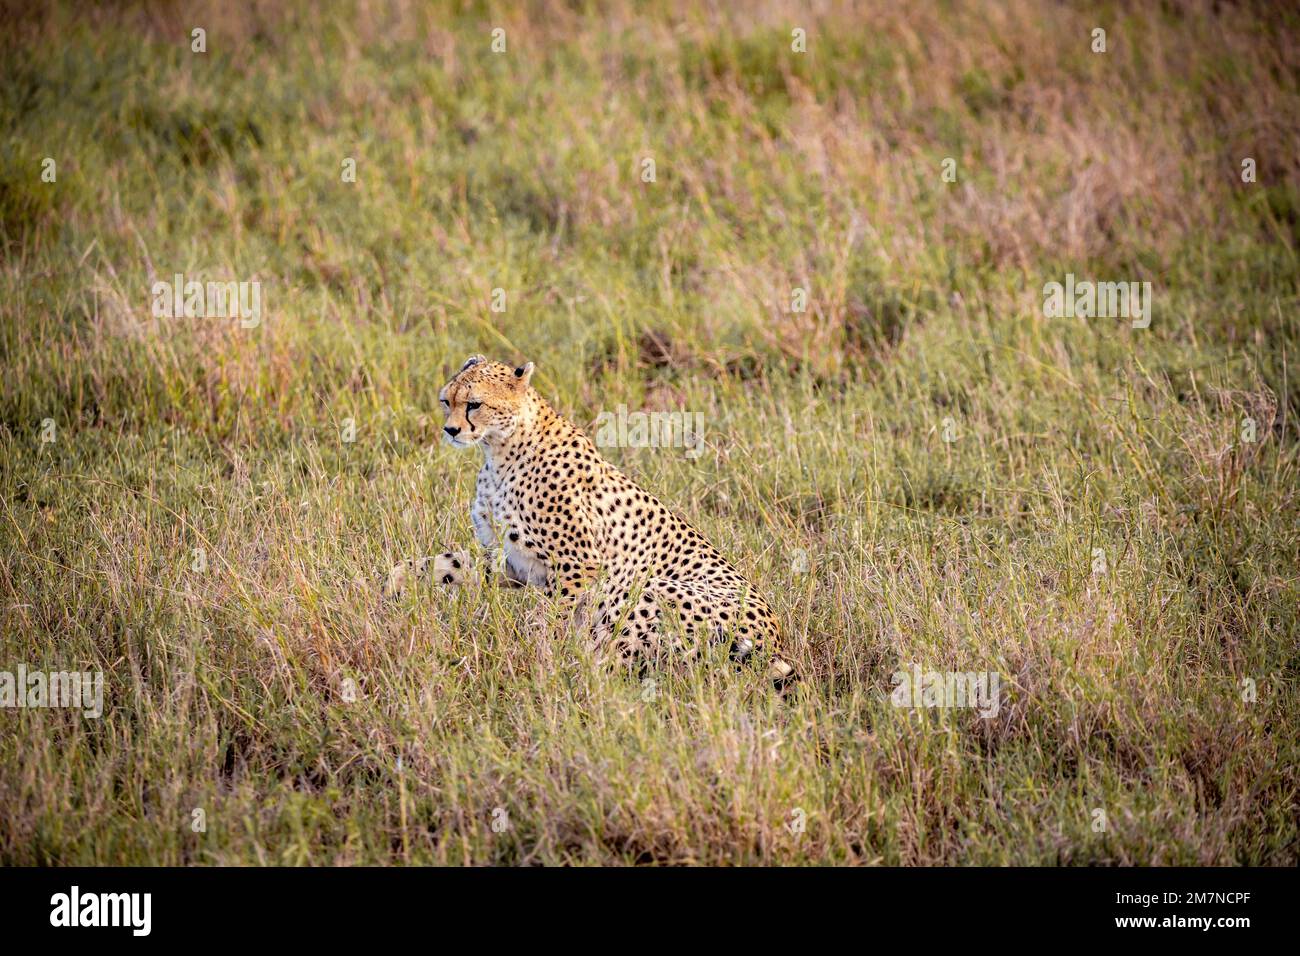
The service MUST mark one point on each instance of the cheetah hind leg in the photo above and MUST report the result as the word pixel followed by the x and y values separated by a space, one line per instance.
pixel 780 671
pixel 449 569
pixel 717 614
pixel 639 632
pixel 621 625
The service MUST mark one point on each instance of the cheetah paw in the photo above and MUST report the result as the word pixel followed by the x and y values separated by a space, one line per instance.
pixel 783 676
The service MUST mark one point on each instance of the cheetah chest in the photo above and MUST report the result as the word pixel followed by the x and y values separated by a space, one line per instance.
pixel 499 522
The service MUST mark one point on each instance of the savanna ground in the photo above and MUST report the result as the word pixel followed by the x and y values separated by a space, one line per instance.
pixel 1100 531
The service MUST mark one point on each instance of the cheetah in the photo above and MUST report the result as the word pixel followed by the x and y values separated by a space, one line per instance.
pixel 636 577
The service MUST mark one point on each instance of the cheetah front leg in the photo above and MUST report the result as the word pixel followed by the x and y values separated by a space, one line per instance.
pixel 502 572
pixel 569 576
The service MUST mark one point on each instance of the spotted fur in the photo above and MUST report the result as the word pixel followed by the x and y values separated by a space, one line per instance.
pixel 564 518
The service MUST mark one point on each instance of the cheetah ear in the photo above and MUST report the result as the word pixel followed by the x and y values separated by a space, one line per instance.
pixel 472 360
pixel 523 375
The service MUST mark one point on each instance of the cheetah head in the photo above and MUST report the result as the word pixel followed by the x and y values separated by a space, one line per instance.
pixel 485 402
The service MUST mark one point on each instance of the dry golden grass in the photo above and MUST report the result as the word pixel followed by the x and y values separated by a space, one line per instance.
pixel 228 690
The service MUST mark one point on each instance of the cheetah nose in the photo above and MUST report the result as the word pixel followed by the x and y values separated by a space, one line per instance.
pixel 453 432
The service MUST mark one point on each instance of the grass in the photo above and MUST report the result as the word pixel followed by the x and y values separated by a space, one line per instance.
pixel 1098 533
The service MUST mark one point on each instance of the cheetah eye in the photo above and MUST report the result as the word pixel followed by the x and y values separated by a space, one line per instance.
pixel 470 406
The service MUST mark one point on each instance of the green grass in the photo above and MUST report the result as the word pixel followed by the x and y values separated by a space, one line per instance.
pixel 227 689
